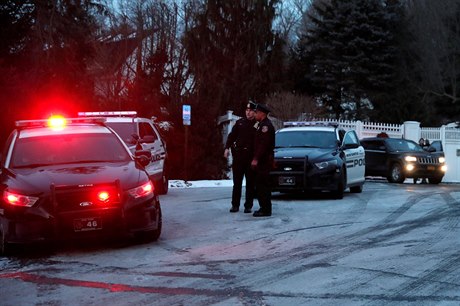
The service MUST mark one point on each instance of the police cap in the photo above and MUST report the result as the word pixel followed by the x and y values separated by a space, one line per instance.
pixel 263 108
pixel 251 105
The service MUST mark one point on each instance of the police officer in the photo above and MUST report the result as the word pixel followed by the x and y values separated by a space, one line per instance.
pixel 262 161
pixel 241 142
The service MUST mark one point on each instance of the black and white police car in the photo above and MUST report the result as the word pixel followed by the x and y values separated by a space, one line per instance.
pixel 135 132
pixel 317 156
pixel 73 178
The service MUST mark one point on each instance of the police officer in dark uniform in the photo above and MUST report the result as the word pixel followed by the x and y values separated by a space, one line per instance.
pixel 241 142
pixel 262 162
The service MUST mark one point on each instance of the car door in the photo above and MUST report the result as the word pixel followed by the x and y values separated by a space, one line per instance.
pixel 151 141
pixel 376 157
pixel 354 154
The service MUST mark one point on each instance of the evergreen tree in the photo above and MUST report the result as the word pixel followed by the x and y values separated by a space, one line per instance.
pixel 48 54
pixel 230 46
pixel 351 52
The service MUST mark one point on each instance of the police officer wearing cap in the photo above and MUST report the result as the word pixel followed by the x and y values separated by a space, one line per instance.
pixel 241 143
pixel 262 162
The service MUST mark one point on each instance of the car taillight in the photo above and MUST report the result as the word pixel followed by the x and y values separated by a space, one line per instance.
pixel 142 191
pixel 19 199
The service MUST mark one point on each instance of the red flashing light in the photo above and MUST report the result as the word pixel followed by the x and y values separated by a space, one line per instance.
pixel 57 122
pixel 142 191
pixel 103 196
pixel 18 199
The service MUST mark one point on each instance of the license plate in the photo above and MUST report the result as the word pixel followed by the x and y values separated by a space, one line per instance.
pixel 87 224
pixel 286 180
pixel 431 168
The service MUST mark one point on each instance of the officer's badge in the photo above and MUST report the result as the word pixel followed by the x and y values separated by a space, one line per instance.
pixel 264 129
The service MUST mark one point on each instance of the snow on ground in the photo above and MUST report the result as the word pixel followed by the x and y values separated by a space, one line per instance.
pixel 200 184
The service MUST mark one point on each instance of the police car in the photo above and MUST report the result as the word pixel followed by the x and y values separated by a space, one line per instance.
pixel 73 178
pixel 317 156
pixel 139 132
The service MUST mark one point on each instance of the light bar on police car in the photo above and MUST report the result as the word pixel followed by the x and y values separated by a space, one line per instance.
pixel 310 123
pixel 53 121
pixel 109 114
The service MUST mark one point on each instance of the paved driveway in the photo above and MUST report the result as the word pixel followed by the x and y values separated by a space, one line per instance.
pixel 392 244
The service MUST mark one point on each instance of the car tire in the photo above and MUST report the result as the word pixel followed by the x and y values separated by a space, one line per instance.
pixel 338 194
pixel 396 174
pixel 356 189
pixel 435 180
pixel 153 235
pixel 162 185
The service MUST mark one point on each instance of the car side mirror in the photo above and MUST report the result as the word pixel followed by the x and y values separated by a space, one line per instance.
pixel 143 157
pixel 350 146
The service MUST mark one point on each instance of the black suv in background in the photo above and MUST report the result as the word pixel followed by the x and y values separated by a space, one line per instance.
pixel 73 178
pixel 398 159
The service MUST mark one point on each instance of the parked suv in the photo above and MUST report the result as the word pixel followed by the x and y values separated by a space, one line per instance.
pixel 315 156
pixel 398 159
pixel 140 132
pixel 73 178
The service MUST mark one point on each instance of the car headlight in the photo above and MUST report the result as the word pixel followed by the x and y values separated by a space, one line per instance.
pixel 326 164
pixel 142 191
pixel 410 159
pixel 17 199
pixel 442 160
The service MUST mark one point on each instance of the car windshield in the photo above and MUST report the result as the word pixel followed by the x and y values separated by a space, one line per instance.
pixel 403 145
pixel 306 139
pixel 68 148
pixel 125 130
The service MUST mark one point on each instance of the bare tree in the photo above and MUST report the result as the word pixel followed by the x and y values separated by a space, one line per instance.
pixel 290 16
pixel 289 106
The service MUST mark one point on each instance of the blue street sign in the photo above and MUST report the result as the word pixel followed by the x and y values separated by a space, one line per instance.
pixel 186 112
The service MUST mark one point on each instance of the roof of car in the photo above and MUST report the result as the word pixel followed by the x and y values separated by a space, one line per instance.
pixel 308 128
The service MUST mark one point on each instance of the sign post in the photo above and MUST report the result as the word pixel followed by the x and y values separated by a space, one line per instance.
pixel 187 121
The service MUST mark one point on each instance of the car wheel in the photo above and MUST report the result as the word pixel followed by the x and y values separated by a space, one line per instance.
pixel 435 180
pixel 356 189
pixel 163 184
pixel 396 174
pixel 338 194
pixel 152 235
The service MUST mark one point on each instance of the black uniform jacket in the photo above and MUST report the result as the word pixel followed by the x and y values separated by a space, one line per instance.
pixel 242 136
pixel 264 145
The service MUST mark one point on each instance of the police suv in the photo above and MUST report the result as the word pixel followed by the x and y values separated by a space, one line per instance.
pixel 139 132
pixel 317 156
pixel 73 178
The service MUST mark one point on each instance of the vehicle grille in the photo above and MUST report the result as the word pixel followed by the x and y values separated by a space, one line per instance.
pixel 290 165
pixel 428 160
pixel 80 198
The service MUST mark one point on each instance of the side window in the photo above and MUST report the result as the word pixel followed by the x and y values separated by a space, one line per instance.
pixel 350 138
pixel 375 145
pixel 145 129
